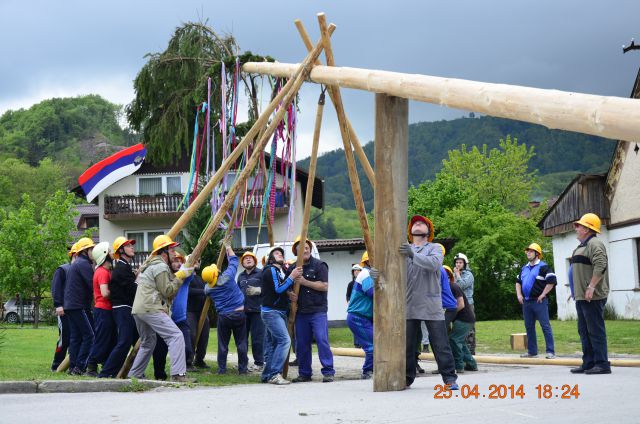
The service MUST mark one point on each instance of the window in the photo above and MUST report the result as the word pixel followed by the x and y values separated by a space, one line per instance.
pixel 151 236
pixel 252 237
pixel 144 239
pixel 237 239
pixel 139 238
pixel 150 186
pixel 92 222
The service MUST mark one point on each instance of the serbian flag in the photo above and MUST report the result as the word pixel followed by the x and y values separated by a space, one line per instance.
pixel 110 170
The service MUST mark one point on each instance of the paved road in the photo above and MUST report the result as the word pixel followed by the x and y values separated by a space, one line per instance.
pixel 602 399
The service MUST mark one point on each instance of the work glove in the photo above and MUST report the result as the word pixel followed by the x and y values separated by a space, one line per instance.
pixel 374 273
pixel 405 249
pixel 184 272
pixel 254 291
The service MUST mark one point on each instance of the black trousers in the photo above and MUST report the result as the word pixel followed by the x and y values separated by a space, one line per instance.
pixel 439 340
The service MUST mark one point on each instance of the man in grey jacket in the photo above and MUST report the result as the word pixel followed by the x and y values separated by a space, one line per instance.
pixel 424 300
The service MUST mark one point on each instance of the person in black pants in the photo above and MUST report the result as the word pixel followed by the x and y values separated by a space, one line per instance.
pixel 195 303
pixel 123 291
pixel 250 283
pixel 57 294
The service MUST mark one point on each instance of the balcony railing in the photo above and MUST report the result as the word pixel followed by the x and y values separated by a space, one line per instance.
pixel 121 207
pixel 139 259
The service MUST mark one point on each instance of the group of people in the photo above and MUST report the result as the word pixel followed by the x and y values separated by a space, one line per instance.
pixel 160 305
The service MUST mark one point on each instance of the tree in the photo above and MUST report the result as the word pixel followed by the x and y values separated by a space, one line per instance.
pixel 31 249
pixel 194 229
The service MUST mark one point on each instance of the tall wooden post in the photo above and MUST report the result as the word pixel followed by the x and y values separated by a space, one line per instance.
pixel 390 209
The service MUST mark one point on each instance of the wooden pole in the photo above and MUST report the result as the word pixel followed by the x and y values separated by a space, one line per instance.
pixel 616 118
pixel 355 142
pixel 391 147
pixel 305 219
pixel 64 365
pixel 344 132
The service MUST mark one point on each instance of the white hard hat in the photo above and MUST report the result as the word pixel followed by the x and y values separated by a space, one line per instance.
pixel 100 252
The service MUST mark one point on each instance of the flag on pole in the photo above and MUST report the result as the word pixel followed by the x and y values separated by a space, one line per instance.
pixel 112 169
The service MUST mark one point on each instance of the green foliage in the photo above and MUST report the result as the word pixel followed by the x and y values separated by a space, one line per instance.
pixel 31 248
pixel 430 142
pixel 18 178
pixel 335 223
pixel 48 128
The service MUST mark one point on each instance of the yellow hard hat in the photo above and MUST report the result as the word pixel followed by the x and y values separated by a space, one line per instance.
pixel 449 271
pixel 83 244
pixel 536 248
pixel 365 258
pixel 591 221
pixel 72 250
pixel 210 275
pixel 421 218
pixel 119 242
pixel 245 254
pixel 444 251
pixel 294 248
pixel 161 242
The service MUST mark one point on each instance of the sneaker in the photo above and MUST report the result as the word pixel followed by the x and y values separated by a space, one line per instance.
pixel 293 363
pixel 459 370
pixel 201 364
pixel 255 368
pixel 91 373
pixel 578 370
pixel 278 380
pixel 550 356
pixel 76 371
pixel 453 386
pixel 468 367
pixel 367 375
pixel 327 379
pixel 191 368
pixel 527 355
pixel 598 370
pixel 182 378
pixel 419 368
pixel 301 379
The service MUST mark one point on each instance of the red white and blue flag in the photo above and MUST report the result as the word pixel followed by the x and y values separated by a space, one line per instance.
pixel 110 170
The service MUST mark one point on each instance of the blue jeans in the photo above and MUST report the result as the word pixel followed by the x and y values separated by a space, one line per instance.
pixel 362 329
pixel 255 327
pixel 82 338
pixel 593 334
pixel 232 322
pixel 532 311
pixel 276 342
pixel 308 327
pixel 127 336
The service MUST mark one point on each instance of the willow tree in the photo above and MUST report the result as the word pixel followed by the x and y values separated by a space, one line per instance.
pixel 172 84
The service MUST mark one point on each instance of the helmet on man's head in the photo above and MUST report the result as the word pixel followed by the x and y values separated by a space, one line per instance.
pixel 294 248
pixel 83 244
pixel 270 257
pixel 120 242
pixel 463 257
pixel 536 248
pixel 449 271
pixel 251 255
pixel 163 242
pixel 364 259
pixel 427 221
pixel 210 275
pixel 444 250
pixel 591 221
pixel 72 250
pixel 100 253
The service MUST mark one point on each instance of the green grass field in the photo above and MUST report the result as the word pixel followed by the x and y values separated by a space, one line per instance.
pixel 26 353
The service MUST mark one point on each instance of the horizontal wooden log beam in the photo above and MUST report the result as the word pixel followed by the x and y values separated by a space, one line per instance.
pixel 606 116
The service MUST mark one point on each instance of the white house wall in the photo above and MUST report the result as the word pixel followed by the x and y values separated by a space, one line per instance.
pixel 625 204
pixel 623 271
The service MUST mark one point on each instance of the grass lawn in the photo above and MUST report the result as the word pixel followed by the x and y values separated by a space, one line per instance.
pixel 26 353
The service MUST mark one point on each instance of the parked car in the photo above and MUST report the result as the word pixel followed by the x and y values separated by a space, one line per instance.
pixel 15 308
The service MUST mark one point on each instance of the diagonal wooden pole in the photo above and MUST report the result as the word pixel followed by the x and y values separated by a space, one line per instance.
pixel 305 219
pixel 344 132
pixel 355 142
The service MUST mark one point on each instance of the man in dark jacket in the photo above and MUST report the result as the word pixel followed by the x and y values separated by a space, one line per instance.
pixel 195 303
pixel 250 283
pixel 311 319
pixel 57 294
pixel 123 291
pixel 78 295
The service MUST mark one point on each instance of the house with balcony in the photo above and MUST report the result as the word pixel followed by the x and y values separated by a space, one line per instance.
pixel 148 202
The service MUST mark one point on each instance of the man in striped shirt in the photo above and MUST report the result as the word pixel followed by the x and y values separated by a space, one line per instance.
pixel 534 282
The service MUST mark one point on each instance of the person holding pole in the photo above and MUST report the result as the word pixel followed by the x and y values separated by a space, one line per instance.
pixel 424 300
pixel 360 315
pixel 57 295
pixel 156 284
pixel 229 303
pixel 195 304
pixel 276 300
pixel 250 283
pixel 311 319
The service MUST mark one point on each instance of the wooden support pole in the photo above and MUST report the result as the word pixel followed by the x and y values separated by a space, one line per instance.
pixel 305 219
pixel 64 365
pixel 355 142
pixel 616 118
pixel 391 147
pixel 344 132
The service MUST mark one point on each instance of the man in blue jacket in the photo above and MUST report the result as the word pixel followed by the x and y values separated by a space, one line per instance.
pixel 229 303
pixel 250 283
pixel 78 295
pixel 57 294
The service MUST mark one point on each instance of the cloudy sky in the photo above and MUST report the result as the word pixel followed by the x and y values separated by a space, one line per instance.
pixel 68 47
